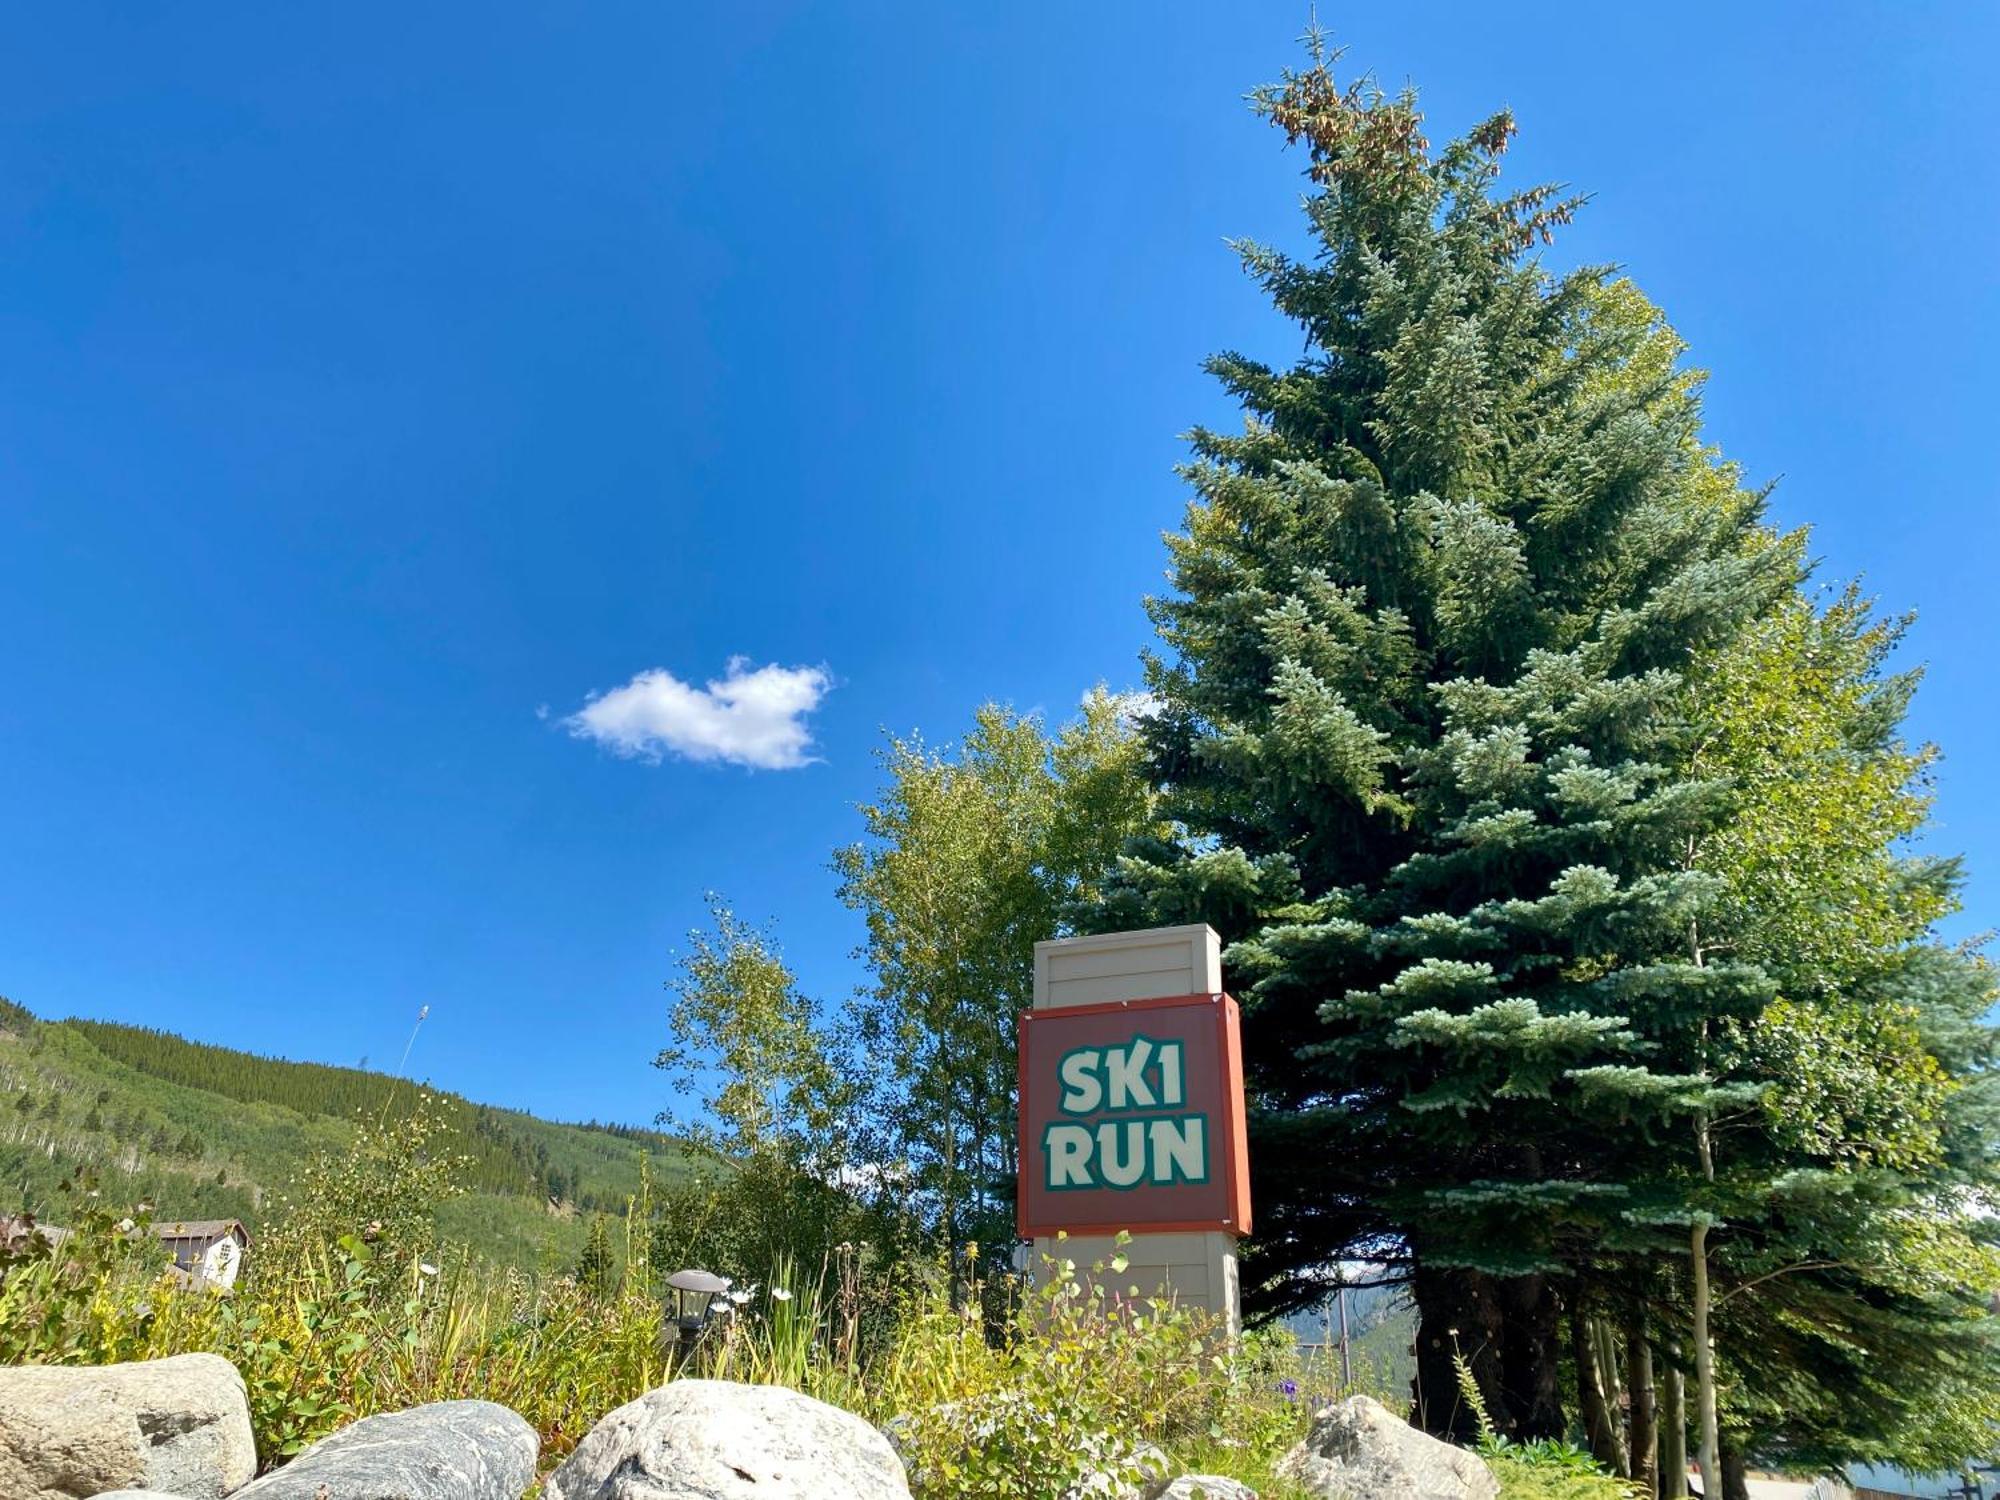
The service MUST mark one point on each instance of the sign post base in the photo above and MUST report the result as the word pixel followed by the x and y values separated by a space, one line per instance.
pixel 1194 1269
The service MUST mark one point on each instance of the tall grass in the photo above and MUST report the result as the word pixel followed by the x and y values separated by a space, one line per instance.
pixel 992 1390
pixel 1062 1385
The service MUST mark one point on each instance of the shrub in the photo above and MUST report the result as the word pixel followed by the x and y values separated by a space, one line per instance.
pixel 383 1188
pixel 1544 1470
pixel 301 1344
pixel 1522 1477
pixel 1072 1389
pixel 85 1299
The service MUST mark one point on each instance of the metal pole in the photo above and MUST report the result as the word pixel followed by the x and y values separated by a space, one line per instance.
pixel 1346 1369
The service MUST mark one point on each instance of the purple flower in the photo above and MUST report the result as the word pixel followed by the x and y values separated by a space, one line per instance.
pixel 1289 1387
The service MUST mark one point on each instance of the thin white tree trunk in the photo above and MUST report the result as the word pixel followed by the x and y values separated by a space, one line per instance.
pixel 1704 1350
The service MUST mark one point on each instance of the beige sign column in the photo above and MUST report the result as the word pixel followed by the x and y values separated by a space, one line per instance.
pixel 1152 964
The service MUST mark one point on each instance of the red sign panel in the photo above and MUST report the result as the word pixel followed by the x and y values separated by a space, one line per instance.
pixel 1132 1118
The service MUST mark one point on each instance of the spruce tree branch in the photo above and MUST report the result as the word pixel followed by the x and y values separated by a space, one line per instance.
pixel 1368 1286
pixel 1804 1265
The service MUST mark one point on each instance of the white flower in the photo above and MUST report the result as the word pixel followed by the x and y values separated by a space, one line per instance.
pixel 427 1268
pixel 779 1294
pixel 739 1297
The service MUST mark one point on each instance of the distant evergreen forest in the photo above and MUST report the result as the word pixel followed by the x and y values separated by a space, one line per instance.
pixel 205 1131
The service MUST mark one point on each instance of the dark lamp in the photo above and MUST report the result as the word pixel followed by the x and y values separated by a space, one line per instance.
pixel 694 1302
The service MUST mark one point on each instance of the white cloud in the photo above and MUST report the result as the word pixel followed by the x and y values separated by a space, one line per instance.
pixel 750 716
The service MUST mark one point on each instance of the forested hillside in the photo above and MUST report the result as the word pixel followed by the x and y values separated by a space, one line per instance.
pixel 204 1131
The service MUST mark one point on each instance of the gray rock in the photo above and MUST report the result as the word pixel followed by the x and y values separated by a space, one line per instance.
pixel 1206 1487
pixel 897 1431
pixel 178 1426
pixel 448 1450
pixel 1359 1450
pixel 716 1440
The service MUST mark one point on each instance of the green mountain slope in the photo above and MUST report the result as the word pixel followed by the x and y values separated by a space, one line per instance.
pixel 208 1132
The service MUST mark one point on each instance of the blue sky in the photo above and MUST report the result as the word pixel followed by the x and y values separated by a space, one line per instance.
pixel 379 383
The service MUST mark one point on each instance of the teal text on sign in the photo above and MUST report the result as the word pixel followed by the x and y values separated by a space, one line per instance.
pixel 1138 1136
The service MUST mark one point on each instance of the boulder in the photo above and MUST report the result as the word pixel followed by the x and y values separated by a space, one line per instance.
pixel 178 1426
pixel 1206 1487
pixel 1360 1450
pixel 448 1450
pixel 717 1440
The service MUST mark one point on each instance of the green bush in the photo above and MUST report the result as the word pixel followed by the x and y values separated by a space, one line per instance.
pixel 82 1300
pixel 1525 1478
pixel 1074 1386
pixel 1548 1469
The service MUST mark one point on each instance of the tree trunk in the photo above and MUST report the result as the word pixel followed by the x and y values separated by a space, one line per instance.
pixel 1611 1376
pixel 1458 1313
pixel 1531 1358
pixel 1644 1425
pixel 1600 1429
pixel 1704 1347
pixel 1704 1358
pixel 1735 1475
pixel 1673 1430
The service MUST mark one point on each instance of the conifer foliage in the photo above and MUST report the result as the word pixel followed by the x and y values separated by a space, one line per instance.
pixel 1434 723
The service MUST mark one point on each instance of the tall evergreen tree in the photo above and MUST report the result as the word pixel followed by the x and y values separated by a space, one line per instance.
pixel 1422 718
pixel 1556 837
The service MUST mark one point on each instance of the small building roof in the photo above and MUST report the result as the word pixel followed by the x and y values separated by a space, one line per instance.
pixel 201 1229
pixel 17 1229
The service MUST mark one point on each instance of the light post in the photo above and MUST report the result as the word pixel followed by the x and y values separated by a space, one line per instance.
pixel 694 1304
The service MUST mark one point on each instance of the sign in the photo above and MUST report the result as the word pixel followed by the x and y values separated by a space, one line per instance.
pixel 1132 1118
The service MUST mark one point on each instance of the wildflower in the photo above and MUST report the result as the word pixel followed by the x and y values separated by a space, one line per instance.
pixel 1290 1388
pixel 779 1294
pixel 427 1268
